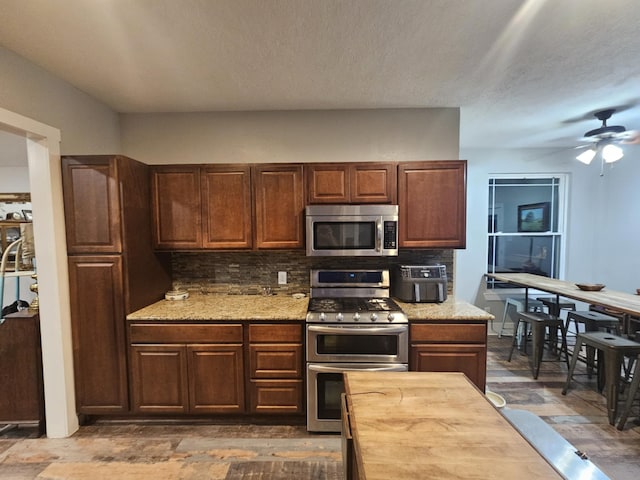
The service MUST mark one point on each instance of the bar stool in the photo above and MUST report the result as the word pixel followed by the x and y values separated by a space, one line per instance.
pixel 615 348
pixel 555 306
pixel 518 304
pixel 593 321
pixel 539 323
pixel 631 395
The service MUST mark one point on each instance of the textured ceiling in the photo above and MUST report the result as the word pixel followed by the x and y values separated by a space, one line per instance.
pixel 524 73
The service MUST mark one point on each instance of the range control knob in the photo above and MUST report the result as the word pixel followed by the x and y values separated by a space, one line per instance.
pixel 322 317
pixel 374 317
pixel 356 317
pixel 339 317
pixel 391 317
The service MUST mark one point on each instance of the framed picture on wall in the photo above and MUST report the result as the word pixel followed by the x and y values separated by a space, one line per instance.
pixel 533 217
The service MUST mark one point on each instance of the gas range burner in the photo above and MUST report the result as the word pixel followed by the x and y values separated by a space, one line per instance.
pixel 354 310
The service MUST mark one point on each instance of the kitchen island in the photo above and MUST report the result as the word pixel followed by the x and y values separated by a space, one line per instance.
pixel 431 425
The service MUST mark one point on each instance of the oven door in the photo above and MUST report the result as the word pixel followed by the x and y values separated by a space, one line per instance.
pixel 358 343
pixel 325 384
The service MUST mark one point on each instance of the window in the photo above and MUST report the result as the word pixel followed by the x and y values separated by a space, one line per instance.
pixel 526 225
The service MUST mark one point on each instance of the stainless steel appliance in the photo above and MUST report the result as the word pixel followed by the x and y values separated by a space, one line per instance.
pixel 352 324
pixel 352 230
pixel 420 283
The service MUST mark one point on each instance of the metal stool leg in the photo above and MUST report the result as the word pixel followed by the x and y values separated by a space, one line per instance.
pixel 633 390
pixel 515 339
pixel 572 366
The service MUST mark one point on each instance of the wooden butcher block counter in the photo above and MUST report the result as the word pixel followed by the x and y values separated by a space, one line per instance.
pixel 426 425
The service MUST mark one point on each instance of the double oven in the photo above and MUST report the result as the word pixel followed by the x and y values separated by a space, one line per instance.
pixel 352 324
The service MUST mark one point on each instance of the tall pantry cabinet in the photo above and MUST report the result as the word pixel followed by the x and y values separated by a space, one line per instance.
pixel 113 271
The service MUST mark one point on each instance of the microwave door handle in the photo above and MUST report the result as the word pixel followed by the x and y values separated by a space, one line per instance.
pixel 379 236
pixel 365 330
pixel 385 368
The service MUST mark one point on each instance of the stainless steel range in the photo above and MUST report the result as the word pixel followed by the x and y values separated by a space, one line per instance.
pixel 352 324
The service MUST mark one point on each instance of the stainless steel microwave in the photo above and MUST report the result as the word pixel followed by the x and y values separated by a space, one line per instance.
pixel 352 230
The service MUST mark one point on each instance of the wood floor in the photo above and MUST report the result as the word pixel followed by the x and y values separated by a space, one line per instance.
pixel 226 452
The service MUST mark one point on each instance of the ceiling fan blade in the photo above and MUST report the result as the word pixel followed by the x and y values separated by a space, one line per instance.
pixel 632 137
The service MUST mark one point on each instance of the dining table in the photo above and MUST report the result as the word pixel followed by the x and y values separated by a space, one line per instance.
pixel 625 303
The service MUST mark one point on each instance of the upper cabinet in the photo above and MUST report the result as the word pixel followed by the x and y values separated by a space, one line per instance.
pixel 212 206
pixel 226 206
pixel 92 205
pixel 351 183
pixel 432 204
pixel 176 200
pixel 279 205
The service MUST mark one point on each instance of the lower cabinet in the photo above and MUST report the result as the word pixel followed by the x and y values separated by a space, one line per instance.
pixel 213 368
pixel 276 382
pixel 187 369
pixel 439 346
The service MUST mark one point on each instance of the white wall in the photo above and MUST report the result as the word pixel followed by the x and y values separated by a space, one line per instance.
pixel 87 126
pixel 293 136
pixel 603 224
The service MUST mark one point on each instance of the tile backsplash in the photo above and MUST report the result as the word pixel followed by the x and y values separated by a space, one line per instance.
pixel 247 272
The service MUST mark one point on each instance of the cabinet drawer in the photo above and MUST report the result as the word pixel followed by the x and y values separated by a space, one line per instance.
pixel 275 333
pixel 276 396
pixel 275 361
pixel 449 333
pixel 185 333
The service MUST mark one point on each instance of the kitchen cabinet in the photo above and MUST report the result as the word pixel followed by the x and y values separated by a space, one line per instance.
pixel 441 346
pixel 432 204
pixel 22 398
pixel 278 191
pixel 351 183
pixel 196 207
pixel 181 368
pixel 112 271
pixel 275 380
pixel 228 206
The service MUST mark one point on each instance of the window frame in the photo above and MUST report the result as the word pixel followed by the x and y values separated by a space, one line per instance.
pixel 559 232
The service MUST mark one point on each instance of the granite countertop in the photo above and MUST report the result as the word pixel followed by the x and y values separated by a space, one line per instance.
pixel 284 307
pixel 225 307
pixel 451 309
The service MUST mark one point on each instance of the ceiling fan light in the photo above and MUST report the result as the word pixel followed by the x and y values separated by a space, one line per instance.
pixel 612 153
pixel 586 156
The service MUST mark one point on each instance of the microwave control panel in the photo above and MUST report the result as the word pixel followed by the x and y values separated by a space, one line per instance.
pixel 390 234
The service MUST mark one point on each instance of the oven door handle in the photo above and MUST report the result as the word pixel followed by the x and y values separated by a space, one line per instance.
pixel 362 330
pixel 382 368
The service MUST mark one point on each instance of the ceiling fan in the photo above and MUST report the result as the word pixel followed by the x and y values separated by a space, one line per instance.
pixel 605 140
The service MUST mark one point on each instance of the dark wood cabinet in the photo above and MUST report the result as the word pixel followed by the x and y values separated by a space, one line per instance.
pixel 351 183
pixel 92 205
pixel 275 380
pixel 432 204
pixel 99 345
pixel 226 206
pixel 278 191
pixel 440 346
pixel 187 368
pixel 22 397
pixel 112 271
pixel 177 205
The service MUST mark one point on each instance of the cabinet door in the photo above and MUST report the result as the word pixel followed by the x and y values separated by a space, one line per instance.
pixel 468 359
pixel 216 379
pixel 98 328
pixel 328 183
pixel 373 182
pixel 226 206
pixel 432 204
pixel 175 193
pixel 159 378
pixel 91 204
pixel 279 204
